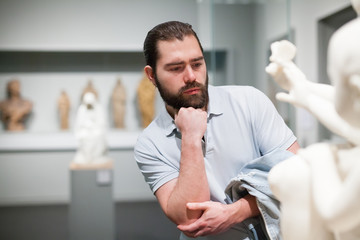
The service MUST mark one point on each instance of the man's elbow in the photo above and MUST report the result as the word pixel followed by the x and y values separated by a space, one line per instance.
pixel 184 216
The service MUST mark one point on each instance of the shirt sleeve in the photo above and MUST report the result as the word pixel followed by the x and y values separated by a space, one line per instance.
pixel 156 169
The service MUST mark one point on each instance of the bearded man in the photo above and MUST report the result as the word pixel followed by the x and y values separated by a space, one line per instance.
pixel 202 138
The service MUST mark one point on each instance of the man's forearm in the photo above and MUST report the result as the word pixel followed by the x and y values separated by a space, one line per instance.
pixel 244 208
pixel 191 186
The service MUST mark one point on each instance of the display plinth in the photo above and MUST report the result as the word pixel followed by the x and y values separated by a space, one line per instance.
pixel 92 209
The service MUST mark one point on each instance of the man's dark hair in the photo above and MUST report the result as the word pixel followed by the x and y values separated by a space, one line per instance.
pixel 165 32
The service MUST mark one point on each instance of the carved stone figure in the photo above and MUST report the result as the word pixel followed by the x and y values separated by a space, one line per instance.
pixel 89 88
pixel 119 104
pixel 90 132
pixel 146 101
pixel 14 109
pixel 319 187
pixel 64 109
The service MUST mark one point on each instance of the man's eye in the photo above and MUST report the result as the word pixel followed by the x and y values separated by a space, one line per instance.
pixel 197 65
pixel 175 69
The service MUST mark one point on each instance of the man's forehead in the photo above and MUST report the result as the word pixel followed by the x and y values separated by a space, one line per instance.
pixel 176 49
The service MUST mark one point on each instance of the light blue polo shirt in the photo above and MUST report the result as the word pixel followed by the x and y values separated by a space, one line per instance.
pixel 242 125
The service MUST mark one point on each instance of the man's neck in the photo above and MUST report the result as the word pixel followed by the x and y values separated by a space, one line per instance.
pixel 172 111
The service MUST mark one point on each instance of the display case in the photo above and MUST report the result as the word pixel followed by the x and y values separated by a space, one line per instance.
pixel 102 42
pixel 45 74
pixel 258 24
pixel 49 54
pixel 233 55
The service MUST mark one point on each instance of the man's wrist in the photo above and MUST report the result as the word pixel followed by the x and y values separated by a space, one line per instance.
pixel 244 208
pixel 236 213
pixel 191 142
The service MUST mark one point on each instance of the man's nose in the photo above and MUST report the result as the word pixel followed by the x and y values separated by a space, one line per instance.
pixel 189 75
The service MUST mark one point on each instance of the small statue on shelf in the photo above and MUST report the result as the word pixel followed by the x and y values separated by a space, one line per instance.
pixel 119 104
pixel 14 109
pixel 64 109
pixel 146 101
pixel 89 88
pixel 319 187
pixel 90 132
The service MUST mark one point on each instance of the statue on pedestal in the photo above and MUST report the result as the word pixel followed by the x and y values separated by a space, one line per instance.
pixel 146 101
pixel 14 109
pixel 119 104
pixel 319 187
pixel 64 109
pixel 90 132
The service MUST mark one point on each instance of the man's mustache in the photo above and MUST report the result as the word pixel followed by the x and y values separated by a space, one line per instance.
pixel 189 86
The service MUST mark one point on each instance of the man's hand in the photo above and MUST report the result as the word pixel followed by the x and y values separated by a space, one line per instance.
pixel 216 218
pixel 191 122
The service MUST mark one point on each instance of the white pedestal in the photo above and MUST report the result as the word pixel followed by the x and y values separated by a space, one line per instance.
pixel 92 209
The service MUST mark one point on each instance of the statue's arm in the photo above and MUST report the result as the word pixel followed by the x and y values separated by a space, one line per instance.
pixel 317 98
pixel 326 113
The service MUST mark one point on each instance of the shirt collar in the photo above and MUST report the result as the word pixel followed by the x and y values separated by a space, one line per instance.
pixel 214 109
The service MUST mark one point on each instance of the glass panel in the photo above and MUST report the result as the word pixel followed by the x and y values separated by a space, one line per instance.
pixel 241 34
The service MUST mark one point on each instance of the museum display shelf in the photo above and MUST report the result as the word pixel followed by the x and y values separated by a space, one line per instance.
pixel 44 72
pixel 61 141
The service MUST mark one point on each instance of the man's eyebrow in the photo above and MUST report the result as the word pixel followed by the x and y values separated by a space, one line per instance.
pixel 197 59
pixel 174 63
pixel 182 62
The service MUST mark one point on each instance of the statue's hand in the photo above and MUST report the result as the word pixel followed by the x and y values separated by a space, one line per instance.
pixel 277 72
pixel 286 73
pixel 297 83
pixel 282 53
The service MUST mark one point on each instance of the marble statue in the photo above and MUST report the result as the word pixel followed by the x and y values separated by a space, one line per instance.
pixel 118 98
pixel 90 132
pixel 146 101
pixel 64 109
pixel 319 188
pixel 14 109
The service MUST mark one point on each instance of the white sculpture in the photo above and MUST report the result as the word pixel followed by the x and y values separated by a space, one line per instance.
pixel 319 188
pixel 90 132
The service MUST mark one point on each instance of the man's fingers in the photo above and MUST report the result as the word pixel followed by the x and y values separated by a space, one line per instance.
pixel 198 206
pixel 192 227
pixel 188 228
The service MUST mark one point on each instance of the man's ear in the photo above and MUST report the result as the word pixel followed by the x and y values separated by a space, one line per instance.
pixel 150 74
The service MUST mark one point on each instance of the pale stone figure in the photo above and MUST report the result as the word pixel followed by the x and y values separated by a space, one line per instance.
pixel 146 101
pixel 89 88
pixel 319 187
pixel 119 104
pixel 14 109
pixel 64 109
pixel 90 132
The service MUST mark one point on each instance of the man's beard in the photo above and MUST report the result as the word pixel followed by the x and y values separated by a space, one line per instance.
pixel 179 100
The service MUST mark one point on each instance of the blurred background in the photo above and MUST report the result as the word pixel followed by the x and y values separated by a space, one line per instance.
pixel 53 46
